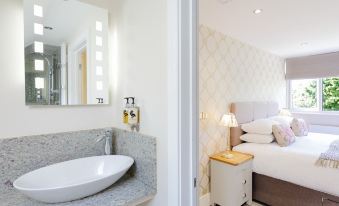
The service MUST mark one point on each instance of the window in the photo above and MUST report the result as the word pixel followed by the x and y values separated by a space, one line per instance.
pixel 315 94
pixel 304 94
pixel 330 94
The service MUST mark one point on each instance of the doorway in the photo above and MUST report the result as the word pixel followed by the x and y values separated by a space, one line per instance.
pixel 82 75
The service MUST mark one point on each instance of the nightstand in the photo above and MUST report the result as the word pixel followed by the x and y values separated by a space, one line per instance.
pixel 231 179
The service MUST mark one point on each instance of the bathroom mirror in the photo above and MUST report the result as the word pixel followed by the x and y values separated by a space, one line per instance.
pixel 66 53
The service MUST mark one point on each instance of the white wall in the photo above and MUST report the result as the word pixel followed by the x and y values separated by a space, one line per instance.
pixel 138 66
pixel 139 42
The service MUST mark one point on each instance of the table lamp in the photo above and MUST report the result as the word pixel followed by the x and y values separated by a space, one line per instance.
pixel 285 112
pixel 228 121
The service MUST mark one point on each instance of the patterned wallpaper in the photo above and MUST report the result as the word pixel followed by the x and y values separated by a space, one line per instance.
pixel 231 71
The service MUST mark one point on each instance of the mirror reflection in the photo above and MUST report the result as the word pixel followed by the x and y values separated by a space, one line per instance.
pixel 65 53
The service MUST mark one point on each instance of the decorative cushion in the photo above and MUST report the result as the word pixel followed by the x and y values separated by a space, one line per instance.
pixel 260 126
pixel 286 120
pixel 257 138
pixel 299 127
pixel 283 134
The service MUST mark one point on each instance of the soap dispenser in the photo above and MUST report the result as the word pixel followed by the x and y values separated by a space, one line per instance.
pixel 126 111
pixel 133 117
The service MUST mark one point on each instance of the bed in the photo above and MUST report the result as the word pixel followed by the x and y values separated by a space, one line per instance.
pixel 286 176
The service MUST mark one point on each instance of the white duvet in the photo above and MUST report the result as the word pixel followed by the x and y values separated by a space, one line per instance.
pixel 296 163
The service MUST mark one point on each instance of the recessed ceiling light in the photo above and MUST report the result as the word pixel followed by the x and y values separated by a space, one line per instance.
pixel 257 11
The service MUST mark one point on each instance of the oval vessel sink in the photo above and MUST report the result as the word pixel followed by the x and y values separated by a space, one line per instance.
pixel 73 179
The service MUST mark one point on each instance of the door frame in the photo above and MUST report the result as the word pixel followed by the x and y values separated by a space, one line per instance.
pixel 74 48
pixel 79 72
pixel 183 121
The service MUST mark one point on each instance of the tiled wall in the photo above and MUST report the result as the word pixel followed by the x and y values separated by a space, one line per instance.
pixel 231 71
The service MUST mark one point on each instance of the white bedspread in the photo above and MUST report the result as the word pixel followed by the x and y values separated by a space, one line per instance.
pixel 295 163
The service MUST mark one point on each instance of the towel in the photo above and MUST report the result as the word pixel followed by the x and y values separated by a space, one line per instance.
pixel 330 158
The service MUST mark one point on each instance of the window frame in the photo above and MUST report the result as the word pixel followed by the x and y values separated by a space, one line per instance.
pixel 319 108
pixel 318 105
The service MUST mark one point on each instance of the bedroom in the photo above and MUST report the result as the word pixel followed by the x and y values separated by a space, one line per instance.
pixel 259 59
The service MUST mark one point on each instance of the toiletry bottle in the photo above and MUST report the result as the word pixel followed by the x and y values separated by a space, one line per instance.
pixel 133 117
pixel 126 111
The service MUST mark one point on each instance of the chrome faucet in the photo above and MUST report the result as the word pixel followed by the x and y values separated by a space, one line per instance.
pixel 108 145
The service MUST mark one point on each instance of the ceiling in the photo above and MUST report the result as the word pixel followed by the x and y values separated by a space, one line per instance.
pixel 287 28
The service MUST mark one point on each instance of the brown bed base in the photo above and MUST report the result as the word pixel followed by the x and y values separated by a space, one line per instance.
pixel 275 192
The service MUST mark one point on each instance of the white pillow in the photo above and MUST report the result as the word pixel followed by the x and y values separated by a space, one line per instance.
pixel 284 120
pixel 257 138
pixel 260 126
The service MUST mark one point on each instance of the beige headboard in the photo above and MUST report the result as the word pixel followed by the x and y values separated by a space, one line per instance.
pixel 248 111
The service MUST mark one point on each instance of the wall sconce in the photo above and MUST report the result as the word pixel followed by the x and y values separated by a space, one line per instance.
pixel 203 116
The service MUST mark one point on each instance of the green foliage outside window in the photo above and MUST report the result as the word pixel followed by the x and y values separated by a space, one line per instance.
pixel 304 93
pixel 331 94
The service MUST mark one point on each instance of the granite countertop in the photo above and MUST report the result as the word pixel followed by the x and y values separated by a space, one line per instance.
pixel 127 191
pixel 24 154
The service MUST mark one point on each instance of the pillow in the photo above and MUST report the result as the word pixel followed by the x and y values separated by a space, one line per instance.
pixel 260 126
pixel 283 134
pixel 299 127
pixel 257 138
pixel 286 120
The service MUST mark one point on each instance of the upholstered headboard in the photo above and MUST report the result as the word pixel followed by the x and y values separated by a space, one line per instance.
pixel 248 111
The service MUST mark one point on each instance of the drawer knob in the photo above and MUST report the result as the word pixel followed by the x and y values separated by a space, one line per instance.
pixel 244 182
pixel 244 195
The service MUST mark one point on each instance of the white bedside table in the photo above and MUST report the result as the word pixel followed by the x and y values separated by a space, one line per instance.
pixel 231 179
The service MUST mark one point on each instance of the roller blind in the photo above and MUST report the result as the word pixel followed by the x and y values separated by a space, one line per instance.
pixel 316 66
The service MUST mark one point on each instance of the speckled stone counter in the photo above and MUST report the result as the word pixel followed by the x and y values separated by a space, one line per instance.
pixel 21 155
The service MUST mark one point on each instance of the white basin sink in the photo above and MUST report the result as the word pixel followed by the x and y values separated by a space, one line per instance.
pixel 73 179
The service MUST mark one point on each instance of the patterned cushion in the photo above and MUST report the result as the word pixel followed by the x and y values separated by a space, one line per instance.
pixel 283 134
pixel 299 127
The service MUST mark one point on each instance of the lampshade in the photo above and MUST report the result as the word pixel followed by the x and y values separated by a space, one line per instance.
pixel 228 120
pixel 285 112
